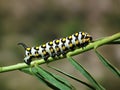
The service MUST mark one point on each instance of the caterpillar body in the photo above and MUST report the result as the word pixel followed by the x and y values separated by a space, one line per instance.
pixel 57 48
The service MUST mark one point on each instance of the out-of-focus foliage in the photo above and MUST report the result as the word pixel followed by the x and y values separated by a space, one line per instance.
pixel 38 21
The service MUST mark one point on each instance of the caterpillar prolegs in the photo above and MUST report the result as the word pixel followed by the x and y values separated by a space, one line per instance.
pixel 57 48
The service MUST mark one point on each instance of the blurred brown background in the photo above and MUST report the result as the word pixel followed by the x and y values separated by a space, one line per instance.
pixel 38 21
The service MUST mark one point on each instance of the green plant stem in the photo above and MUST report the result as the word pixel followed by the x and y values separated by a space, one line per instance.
pixel 95 44
pixel 19 66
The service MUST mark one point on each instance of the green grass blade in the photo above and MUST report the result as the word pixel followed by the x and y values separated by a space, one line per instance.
pixel 52 79
pixel 43 80
pixel 115 42
pixel 108 64
pixel 85 73
pixel 27 70
pixel 74 78
pixel 64 81
pixel 33 72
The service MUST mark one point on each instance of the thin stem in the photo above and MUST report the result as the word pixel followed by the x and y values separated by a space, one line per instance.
pixel 95 44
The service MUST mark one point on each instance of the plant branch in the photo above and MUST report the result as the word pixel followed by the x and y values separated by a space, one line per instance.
pixel 98 43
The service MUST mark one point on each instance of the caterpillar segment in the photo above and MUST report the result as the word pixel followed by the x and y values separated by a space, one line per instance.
pixel 56 48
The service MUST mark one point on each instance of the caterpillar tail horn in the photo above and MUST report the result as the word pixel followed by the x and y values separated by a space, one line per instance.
pixel 24 45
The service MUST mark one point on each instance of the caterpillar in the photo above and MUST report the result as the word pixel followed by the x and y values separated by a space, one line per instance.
pixel 56 48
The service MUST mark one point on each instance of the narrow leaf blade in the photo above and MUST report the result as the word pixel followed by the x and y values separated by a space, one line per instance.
pixel 85 73
pixel 27 70
pixel 72 77
pixel 42 79
pixel 115 42
pixel 54 80
pixel 108 64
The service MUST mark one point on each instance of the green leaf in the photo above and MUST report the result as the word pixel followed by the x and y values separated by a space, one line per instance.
pixel 45 81
pixel 115 42
pixel 73 77
pixel 85 73
pixel 27 70
pixel 55 82
pixel 108 64
pixel 64 81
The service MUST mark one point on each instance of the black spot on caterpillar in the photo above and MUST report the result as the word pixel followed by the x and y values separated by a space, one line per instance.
pixel 56 48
